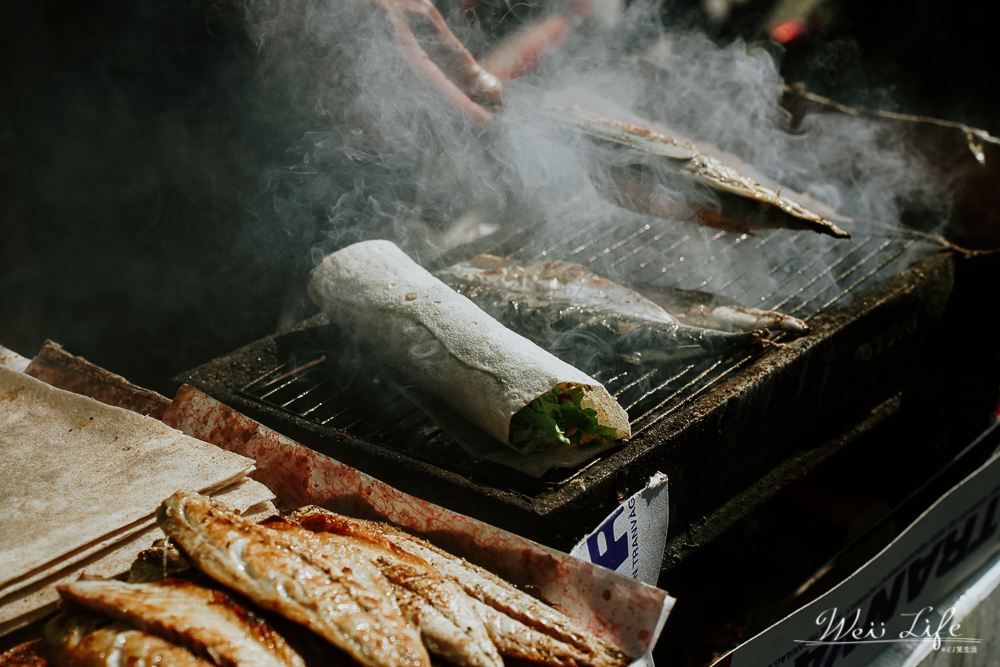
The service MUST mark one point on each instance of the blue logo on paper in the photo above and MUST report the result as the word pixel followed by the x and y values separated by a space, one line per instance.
pixel 604 549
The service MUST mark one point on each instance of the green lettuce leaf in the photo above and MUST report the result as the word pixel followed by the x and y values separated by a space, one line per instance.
pixel 545 422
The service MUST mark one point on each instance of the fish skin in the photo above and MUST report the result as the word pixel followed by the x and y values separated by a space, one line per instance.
pixel 505 598
pixel 86 640
pixel 743 318
pixel 440 634
pixel 445 614
pixel 309 589
pixel 487 588
pixel 448 623
pixel 207 622
pixel 24 655
pixel 516 604
pixel 629 151
pixel 555 281
pixel 158 563
pixel 701 309
pixel 551 302
pixel 516 640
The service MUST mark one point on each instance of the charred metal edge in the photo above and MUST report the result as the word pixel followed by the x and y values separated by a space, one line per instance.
pixel 789 400
pixel 708 528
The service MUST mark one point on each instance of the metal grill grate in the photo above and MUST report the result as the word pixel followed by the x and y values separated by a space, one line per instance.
pixel 800 274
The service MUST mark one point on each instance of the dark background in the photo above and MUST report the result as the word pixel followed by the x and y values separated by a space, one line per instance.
pixel 137 223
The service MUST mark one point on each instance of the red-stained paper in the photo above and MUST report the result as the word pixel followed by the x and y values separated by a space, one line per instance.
pixel 624 612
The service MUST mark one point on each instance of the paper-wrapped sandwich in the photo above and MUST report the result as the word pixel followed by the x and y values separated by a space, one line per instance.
pixel 432 336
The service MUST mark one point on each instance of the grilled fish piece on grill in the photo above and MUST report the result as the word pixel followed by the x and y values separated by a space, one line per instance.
pixel 549 301
pixel 700 309
pixel 207 622
pixel 86 640
pixel 492 591
pixel 631 154
pixel 344 601
pixel 448 625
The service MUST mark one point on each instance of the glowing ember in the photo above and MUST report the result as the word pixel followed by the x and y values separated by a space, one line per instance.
pixel 786 31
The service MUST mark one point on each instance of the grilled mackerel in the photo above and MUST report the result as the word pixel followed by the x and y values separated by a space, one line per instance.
pixel 86 640
pixel 577 315
pixel 207 622
pixel 544 282
pixel 701 309
pixel 449 626
pixel 366 587
pixel 637 159
pixel 344 601
pixel 552 637
pixel 516 640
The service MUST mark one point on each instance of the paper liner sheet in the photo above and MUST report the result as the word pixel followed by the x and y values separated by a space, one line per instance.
pixel 38 599
pixel 75 471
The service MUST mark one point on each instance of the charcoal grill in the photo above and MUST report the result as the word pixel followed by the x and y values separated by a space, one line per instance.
pixel 871 301
pixel 726 431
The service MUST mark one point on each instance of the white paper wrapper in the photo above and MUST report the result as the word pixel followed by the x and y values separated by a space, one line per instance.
pixel 431 335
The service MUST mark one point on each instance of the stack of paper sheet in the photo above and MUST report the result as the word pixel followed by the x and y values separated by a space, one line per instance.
pixel 80 482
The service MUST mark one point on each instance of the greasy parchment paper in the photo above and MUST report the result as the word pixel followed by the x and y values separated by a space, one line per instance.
pixel 75 472
pixel 437 339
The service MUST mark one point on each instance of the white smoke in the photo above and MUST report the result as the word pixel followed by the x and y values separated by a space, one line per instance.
pixel 390 158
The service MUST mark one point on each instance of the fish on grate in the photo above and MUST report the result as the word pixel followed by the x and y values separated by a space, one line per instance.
pixel 569 310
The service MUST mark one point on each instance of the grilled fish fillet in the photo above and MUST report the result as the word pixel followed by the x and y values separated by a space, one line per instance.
pixel 500 595
pixel 449 626
pixel 503 597
pixel 535 283
pixel 95 641
pixel 701 309
pixel 24 655
pixel 440 634
pixel 642 150
pixel 555 281
pixel 516 640
pixel 331 598
pixel 158 563
pixel 209 623
pixel 480 585
pixel 551 302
